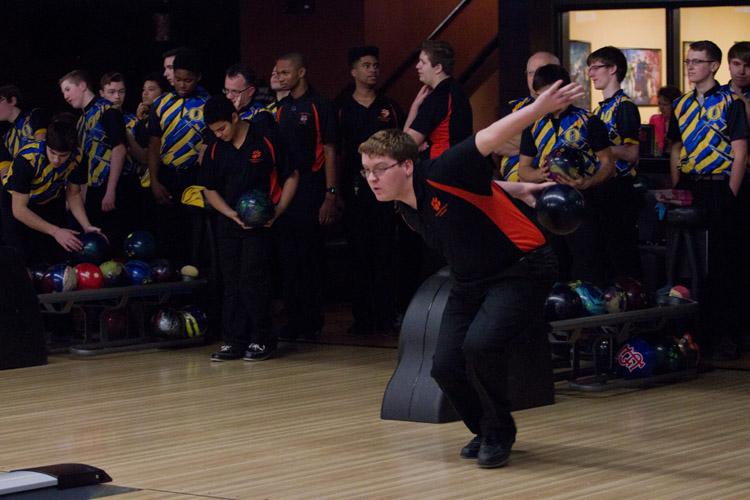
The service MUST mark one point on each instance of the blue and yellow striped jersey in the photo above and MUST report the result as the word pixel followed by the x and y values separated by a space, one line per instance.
pixel 48 181
pixel 607 113
pixel 96 151
pixel 509 164
pixel 248 112
pixel 572 131
pixel 22 131
pixel 706 148
pixel 178 121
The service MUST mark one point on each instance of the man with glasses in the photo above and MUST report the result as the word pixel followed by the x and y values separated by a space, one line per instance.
pixel 501 267
pixel 709 130
pixel 607 68
pixel 239 87
pixel 370 226
pixel 510 150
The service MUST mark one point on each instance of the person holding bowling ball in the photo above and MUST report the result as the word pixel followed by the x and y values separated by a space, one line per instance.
pixel 581 254
pixel 246 156
pixel 499 261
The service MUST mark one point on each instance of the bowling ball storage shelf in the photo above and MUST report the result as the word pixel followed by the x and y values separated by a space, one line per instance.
pixel 618 328
pixel 133 301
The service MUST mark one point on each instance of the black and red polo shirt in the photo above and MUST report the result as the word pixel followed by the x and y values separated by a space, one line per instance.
pixel 445 117
pixel 259 164
pixel 480 229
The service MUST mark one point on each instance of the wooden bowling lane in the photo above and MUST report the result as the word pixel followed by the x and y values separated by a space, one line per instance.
pixel 306 425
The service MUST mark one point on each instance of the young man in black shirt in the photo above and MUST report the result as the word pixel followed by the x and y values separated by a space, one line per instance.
pixel 307 123
pixel 500 265
pixel 440 115
pixel 371 226
pixel 246 156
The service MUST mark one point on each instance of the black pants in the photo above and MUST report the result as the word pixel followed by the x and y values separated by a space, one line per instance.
pixel 245 265
pixel 33 246
pixel 302 261
pixel 371 231
pixel 121 221
pixel 720 304
pixel 174 223
pixel 479 326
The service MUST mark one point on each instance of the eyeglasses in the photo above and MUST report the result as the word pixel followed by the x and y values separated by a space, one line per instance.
pixel 377 171
pixel 696 62
pixel 235 92
pixel 595 67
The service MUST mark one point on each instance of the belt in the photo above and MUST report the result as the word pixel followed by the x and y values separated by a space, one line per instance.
pixel 708 177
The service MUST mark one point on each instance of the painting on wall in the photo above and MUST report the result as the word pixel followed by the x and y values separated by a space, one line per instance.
pixel 643 79
pixel 578 53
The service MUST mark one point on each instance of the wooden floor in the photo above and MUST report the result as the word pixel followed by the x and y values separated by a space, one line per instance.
pixel 306 425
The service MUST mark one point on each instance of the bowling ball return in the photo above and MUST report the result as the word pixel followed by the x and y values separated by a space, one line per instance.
pixel 97 308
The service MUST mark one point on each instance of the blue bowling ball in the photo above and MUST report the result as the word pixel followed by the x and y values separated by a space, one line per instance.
pixel 636 358
pixel 591 297
pixel 59 278
pixel 255 208
pixel 140 245
pixel 137 272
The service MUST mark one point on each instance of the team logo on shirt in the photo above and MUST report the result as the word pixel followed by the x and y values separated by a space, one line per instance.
pixel 256 156
pixel 438 207
pixel 713 113
pixel 384 116
pixel 572 135
pixel 303 118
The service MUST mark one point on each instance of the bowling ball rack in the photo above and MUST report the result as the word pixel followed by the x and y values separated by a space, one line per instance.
pixel 618 327
pixel 134 301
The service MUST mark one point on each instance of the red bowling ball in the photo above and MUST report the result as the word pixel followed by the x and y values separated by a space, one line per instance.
pixel 89 276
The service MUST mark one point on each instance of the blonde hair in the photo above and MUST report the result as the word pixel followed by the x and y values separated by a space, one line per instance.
pixel 393 143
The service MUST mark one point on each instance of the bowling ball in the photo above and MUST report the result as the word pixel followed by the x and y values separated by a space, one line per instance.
pixel 255 208
pixel 189 273
pixel 562 303
pixel 566 161
pixel 137 272
pixel 89 276
pixel 162 271
pixel 636 359
pixel 560 209
pixel 689 349
pixel 167 322
pixel 591 297
pixel 59 278
pixel 195 321
pixel 95 249
pixel 615 299
pixel 680 292
pixel 662 352
pixel 114 323
pixel 676 358
pixel 140 245
pixel 633 289
pixel 36 273
pixel 113 273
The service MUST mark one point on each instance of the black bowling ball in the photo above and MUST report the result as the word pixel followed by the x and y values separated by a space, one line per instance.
pixel 560 209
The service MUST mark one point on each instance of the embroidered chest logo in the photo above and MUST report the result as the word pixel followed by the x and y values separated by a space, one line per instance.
pixel 304 118
pixel 630 358
pixel 256 156
pixel 572 135
pixel 384 115
pixel 438 207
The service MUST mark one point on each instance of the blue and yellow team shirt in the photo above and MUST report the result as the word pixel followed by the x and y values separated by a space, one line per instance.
pixel 509 164
pixel 248 112
pixel 706 148
pixel 607 112
pixel 178 121
pixel 572 131
pixel 130 122
pixel 22 132
pixel 95 149
pixel 49 181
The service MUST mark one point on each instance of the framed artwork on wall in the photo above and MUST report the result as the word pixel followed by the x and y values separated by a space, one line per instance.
pixel 643 80
pixel 578 53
